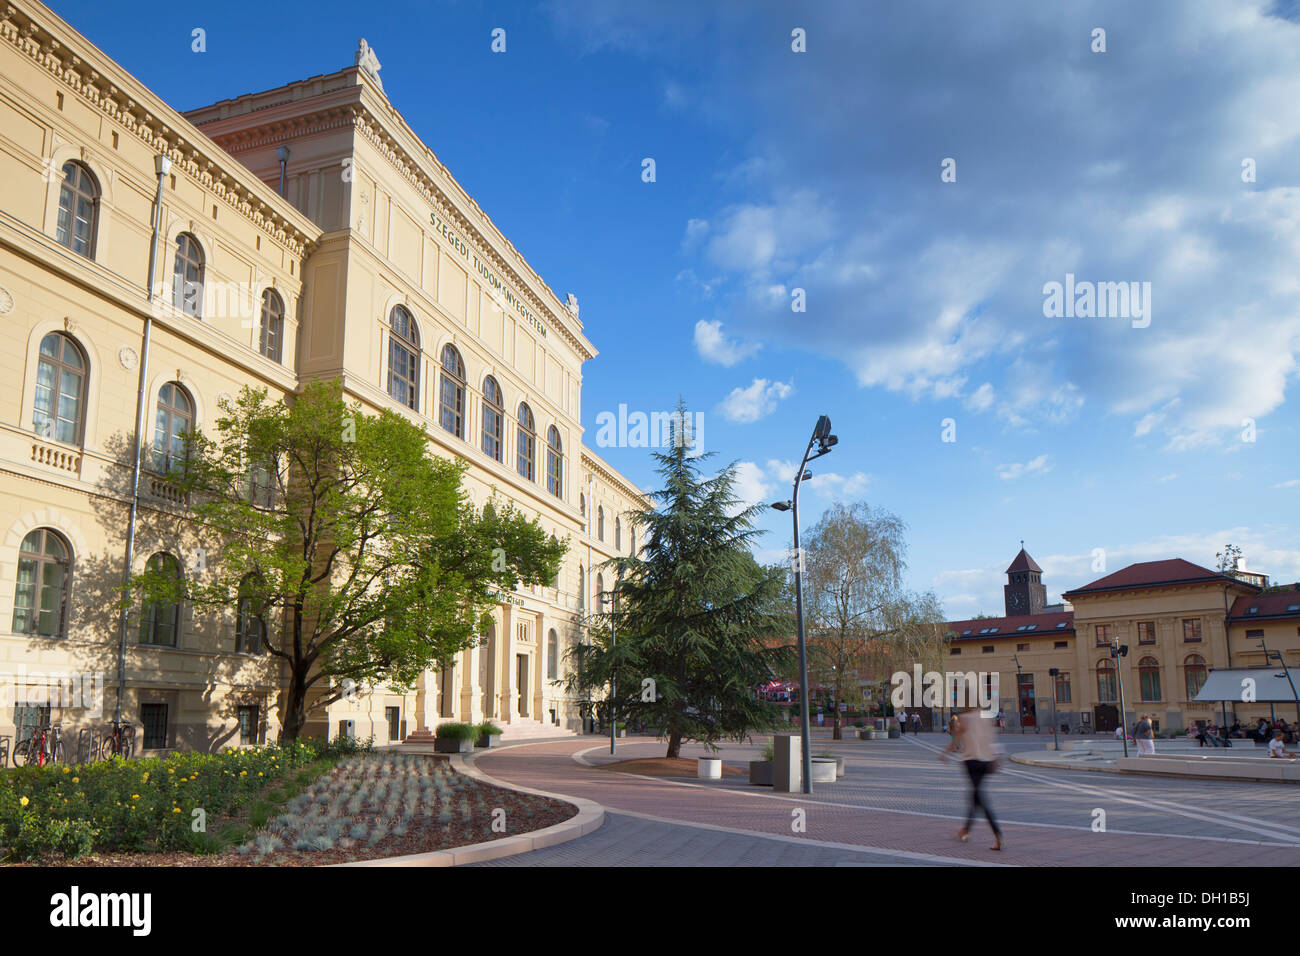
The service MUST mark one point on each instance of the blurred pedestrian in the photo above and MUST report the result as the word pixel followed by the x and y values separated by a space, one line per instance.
pixel 975 747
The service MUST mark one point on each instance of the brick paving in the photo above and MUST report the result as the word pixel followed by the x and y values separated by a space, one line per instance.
pixel 897 798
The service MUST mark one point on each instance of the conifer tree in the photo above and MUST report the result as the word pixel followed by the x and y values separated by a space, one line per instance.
pixel 699 624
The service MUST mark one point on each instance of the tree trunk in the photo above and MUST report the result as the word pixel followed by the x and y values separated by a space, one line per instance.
pixel 295 711
pixel 674 745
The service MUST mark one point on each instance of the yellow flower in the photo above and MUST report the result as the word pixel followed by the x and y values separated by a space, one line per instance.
pixel 66 770
pixel 144 778
pixel 76 780
pixel 243 773
pixel 24 801
pixel 176 810
pixel 259 773
pixel 171 770
pixel 135 796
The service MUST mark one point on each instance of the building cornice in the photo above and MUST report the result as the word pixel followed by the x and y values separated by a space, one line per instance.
pixel 41 36
pixel 609 476
pixel 411 159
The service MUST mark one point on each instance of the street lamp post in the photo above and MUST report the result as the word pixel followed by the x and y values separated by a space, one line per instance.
pixel 1118 651
pixel 613 643
pixel 1052 673
pixel 825 441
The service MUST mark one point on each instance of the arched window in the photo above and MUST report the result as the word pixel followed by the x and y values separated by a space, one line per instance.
pixel 582 587
pixel 1107 683
pixel 600 591
pixel 250 626
pixel 1149 678
pixel 600 522
pixel 272 343
pixel 494 414
pixel 632 545
pixel 78 210
pixel 404 358
pixel 451 397
pixel 187 276
pixel 174 420
pixel 552 656
pixel 60 389
pixel 160 620
pixel 41 593
pixel 554 463
pixel 1194 667
pixel 618 534
pixel 527 443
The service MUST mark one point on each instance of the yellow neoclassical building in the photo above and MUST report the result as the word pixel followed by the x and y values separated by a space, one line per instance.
pixel 1179 622
pixel 297 234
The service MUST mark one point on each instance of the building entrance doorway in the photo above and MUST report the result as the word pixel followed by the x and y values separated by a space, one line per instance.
pixel 1105 717
pixel 521 678
pixel 1028 706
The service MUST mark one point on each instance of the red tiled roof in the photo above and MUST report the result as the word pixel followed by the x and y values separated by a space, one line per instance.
pixel 1007 626
pixel 1024 562
pixel 1152 573
pixel 1278 604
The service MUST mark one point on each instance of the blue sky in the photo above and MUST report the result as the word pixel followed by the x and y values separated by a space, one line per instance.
pixel 820 171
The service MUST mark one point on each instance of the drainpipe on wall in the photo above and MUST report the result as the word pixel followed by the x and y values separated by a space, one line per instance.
pixel 162 166
pixel 282 153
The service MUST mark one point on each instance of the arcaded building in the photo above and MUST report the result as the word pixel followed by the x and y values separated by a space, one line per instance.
pixel 297 234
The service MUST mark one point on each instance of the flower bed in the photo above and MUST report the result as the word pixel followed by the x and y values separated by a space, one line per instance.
pixel 365 807
pixel 159 803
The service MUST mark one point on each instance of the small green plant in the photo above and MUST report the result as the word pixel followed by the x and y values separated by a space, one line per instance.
pixel 769 751
pixel 457 731
pixel 489 729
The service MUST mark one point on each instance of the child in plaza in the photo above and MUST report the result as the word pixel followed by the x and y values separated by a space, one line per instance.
pixel 974 744
pixel 1276 748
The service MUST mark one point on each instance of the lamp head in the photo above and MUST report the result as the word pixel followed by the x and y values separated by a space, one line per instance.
pixel 823 429
pixel 781 505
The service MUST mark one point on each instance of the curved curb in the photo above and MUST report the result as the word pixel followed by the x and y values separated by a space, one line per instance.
pixel 590 817
pixel 1055 765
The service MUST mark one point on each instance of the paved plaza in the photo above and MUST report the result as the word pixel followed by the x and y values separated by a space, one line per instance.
pixel 897 804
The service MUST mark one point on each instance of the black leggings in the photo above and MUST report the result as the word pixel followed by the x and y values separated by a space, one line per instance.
pixel 978 769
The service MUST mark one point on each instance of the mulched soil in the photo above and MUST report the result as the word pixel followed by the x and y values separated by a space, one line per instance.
pixel 667 767
pixel 524 813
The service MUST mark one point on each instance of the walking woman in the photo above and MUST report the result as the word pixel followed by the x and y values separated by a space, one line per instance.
pixel 973 743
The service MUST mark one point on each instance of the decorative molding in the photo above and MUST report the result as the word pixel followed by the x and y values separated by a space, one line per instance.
pixel 128 358
pixel 6 297
pixel 39 45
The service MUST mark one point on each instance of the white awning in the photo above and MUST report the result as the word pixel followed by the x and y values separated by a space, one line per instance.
pixel 1269 686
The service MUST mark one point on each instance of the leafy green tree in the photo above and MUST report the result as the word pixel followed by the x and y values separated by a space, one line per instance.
pixel 699 623
pixel 348 551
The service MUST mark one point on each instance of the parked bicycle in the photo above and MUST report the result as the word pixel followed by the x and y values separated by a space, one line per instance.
pixel 119 741
pixel 43 747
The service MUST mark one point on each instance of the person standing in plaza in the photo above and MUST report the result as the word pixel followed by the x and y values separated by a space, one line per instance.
pixel 916 722
pixel 975 747
pixel 1145 736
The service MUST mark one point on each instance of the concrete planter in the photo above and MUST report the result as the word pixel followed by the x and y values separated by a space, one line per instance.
pixel 761 773
pixel 823 770
pixel 452 745
pixel 894 733
pixel 708 768
pixel 488 740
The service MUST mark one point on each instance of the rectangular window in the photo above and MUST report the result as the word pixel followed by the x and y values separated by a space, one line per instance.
pixel 954 651
pixel 1255 635
pixel 1063 687
pixel 394 717
pixel 248 723
pixel 987 650
pixel 1103 635
pixel 1022 647
pixel 153 718
pixel 1062 645
pixel 1146 632
pixel 1191 630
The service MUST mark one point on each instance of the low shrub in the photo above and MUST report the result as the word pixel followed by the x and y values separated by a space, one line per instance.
pixel 139 805
pixel 457 731
pixel 489 729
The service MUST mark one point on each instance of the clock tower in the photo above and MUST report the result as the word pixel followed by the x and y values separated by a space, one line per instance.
pixel 1024 591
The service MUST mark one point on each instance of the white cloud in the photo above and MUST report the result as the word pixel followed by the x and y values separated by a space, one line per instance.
pixel 751 485
pixel 826 484
pixel 1040 465
pixel 981 399
pixel 1293 483
pixel 758 400
pixel 715 347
